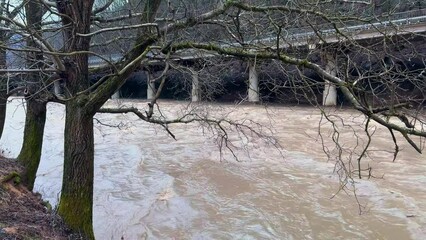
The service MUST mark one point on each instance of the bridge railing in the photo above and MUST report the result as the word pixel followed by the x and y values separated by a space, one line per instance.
pixel 300 34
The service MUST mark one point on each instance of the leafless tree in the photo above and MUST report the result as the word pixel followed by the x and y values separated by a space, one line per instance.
pixel 366 49
pixel 11 11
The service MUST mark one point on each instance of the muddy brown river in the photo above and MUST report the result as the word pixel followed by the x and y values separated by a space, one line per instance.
pixel 147 185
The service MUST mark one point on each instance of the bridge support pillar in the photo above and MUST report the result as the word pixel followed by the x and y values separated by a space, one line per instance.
pixel 150 90
pixel 253 86
pixel 195 91
pixel 329 97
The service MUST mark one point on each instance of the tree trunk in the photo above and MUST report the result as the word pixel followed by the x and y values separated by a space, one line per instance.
pixel 3 89
pixel 75 205
pixel 3 102
pixel 33 139
pixel 36 105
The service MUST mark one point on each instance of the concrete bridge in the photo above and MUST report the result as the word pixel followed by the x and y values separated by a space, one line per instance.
pixel 410 22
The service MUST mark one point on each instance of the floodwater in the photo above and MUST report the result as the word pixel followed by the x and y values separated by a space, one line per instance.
pixel 147 185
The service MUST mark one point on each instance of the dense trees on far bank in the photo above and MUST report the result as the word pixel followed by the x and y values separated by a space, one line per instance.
pixel 313 45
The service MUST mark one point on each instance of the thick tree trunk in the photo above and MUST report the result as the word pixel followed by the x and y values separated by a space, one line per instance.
pixel 75 205
pixel 33 139
pixel 36 105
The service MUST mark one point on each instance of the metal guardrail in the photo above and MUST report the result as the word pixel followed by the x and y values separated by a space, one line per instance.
pixel 325 30
pixel 407 14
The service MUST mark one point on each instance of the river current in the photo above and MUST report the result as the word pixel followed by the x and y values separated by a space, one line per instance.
pixel 148 185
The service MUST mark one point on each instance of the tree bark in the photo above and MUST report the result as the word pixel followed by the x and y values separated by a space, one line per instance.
pixel 33 140
pixel 75 205
pixel 36 104
pixel 3 102
pixel 3 89
pixel 76 201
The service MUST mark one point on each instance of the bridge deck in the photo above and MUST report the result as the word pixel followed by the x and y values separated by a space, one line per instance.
pixel 396 24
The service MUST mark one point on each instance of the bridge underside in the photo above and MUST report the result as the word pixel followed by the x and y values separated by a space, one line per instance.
pixel 227 79
pixel 274 87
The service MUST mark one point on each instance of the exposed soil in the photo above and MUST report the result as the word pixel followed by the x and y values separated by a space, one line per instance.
pixel 23 214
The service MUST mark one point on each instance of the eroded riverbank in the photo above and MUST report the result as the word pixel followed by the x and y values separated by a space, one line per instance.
pixel 23 214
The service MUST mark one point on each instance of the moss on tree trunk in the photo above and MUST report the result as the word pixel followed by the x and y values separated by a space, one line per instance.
pixel 76 200
pixel 30 153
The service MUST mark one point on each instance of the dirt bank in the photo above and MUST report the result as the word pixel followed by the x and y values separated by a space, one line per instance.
pixel 23 214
